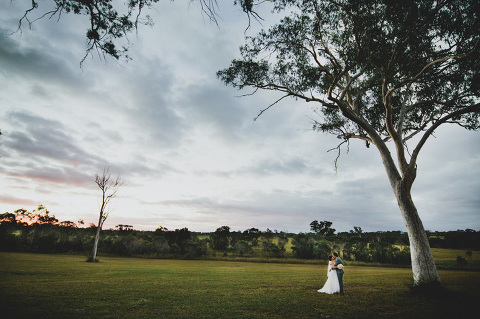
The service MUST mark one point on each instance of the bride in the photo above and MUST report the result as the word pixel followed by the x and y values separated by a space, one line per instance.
pixel 332 285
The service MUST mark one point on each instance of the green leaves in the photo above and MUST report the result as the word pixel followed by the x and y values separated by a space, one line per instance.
pixel 245 73
pixel 106 23
pixel 382 64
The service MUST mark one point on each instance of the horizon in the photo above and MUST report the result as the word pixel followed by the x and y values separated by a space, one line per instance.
pixel 86 225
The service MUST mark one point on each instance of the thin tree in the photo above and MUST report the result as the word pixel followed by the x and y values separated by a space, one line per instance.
pixel 380 71
pixel 109 188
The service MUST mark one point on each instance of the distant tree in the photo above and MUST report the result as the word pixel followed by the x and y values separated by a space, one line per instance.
pixel 272 250
pixel 221 237
pixel 282 240
pixel 179 237
pixel 251 234
pixel 161 245
pixel 357 231
pixel 380 71
pixel 303 246
pixel 43 217
pixel 193 248
pixel 234 237
pixel 67 224
pixel 122 227
pixel 242 247
pixel 322 228
pixel 133 245
pixel 322 249
pixel 8 219
pixel 161 231
pixel 109 188
pixel 268 234
pixel 23 216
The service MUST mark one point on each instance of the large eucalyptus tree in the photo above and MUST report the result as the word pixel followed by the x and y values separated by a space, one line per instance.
pixel 381 71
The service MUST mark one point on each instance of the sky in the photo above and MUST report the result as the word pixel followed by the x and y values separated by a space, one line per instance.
pixel 186 145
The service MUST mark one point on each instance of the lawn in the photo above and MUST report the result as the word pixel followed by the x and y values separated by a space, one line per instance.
pixel 64 286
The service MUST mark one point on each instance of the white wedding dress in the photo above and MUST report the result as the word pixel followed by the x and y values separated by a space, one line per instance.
pixel 332 285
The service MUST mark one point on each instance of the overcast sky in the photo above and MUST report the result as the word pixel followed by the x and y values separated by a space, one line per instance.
pixel 186 145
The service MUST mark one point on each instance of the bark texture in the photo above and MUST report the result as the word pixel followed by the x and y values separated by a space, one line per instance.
pixel 423 264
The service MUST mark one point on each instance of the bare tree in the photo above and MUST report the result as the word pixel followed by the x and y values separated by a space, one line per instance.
pixel 109 188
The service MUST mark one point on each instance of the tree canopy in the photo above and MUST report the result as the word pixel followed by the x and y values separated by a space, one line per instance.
pixel 395 67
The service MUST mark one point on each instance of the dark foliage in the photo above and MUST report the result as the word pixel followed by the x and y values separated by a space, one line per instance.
pixel 458 239
pixel 111 22
pixel 47 235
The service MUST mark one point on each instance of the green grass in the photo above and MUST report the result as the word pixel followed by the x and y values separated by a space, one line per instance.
pixel 447 258
pixel 444 258
pixel 64 286
pixel 452 254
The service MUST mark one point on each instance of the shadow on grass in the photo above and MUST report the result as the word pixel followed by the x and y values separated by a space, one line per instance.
pixel 433 290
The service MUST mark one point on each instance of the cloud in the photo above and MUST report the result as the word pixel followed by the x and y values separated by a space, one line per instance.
pixel 44 68
pixel 11 200
pixel 41 137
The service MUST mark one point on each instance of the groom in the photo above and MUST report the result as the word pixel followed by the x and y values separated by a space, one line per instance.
pixel 337 262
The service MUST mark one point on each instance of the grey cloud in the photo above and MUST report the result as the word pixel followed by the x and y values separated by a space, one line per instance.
pixel 35 136
pixel 152 112
pixel 57 175
pixel 295 166
pixel 290 166
pixel 109 136
pixel 212 104
pixel 42 67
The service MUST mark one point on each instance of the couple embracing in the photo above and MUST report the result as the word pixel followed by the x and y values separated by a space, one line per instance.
pixel 334 282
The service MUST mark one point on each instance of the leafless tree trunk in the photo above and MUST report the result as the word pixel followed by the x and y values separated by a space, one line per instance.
pixel 109 188
pixel 423 264
pixel 401 178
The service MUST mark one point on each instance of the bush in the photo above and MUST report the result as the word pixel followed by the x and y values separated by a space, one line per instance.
pixel 303 246
pixel 322 249
pixel 242 247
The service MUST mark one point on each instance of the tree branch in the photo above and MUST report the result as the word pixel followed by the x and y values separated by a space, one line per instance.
pixel 268 107
pixel 339 151
pixel 470 109
pixel 430 64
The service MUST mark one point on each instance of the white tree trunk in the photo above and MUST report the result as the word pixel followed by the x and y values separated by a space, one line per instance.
pixel 97 236
pixel 95 244
pixel 423 265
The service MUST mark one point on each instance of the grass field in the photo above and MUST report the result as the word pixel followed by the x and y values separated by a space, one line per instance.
pixel 64 286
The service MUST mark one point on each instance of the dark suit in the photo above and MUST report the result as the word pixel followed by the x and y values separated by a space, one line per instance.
pixel 337 262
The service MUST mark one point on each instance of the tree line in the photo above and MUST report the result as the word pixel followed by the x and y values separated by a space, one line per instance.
pixel 41 232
